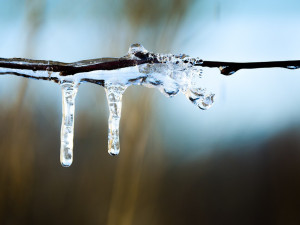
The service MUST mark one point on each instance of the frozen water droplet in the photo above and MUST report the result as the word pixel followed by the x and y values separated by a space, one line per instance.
pixel 114 93
pixel 292 67
pixel 69 91
pixel 177 73
pixel 134 48
pixel 226 70
pixel 207 102
pixel 171 91
pixel 199 98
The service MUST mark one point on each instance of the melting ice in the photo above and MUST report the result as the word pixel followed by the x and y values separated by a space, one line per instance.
pixel 114 94
pixel 174 73
pixel 169 73
pixel 69 90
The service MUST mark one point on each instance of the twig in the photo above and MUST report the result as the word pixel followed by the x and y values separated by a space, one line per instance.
pixel 20 67
pixel 229 68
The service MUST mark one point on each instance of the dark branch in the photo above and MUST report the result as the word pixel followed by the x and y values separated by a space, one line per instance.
pixel 229 68
pixel 71 68
pixel 64 69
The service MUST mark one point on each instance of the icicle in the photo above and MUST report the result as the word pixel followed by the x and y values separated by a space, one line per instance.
pixel 114 94
pixel 69 91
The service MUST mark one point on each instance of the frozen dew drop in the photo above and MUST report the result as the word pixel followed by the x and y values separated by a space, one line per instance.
pixel 292 67
pixel 176 73
pixel 170 92
pixel 226 70
pixel 199 98
pixel 134 48
pixel 207 102
pixel 69 91
pixel 114 93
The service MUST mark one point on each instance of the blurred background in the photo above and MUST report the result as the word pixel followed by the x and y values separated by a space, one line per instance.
pixel 236 163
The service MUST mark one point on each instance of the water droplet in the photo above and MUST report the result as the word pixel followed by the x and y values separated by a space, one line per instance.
pixel 226 70
pixel 114 93
pixel 69 91
pixel 292 67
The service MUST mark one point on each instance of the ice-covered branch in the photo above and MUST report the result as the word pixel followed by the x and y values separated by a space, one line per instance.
pixel 32 68
pixel 168 73
pixel 57 71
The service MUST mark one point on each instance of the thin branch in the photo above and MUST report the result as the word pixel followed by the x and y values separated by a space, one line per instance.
pixel 20 67
pixel 229 68
pixel 66 69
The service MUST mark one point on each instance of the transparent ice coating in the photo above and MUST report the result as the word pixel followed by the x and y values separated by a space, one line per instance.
pixel 134 48
pixel 174 73
pixel 170 74
pixel 69 91
pixel 114 93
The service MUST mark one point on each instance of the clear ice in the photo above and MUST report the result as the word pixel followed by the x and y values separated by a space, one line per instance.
pixel 114 94
pixel 170 74
pixel 175 73
pixel 69 91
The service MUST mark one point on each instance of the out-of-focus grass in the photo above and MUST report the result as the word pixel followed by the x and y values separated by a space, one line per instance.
pixel 253 185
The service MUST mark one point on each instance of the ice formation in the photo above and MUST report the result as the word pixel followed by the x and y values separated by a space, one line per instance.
pixel 169 73
pixel 114 94
pixel 69 91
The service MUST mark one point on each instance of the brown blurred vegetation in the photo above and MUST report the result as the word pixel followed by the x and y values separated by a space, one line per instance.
pixel 253 185
pixel 144 185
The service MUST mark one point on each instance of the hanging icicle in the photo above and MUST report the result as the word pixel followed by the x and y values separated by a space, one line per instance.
pixel 114 93
pixel 69 91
